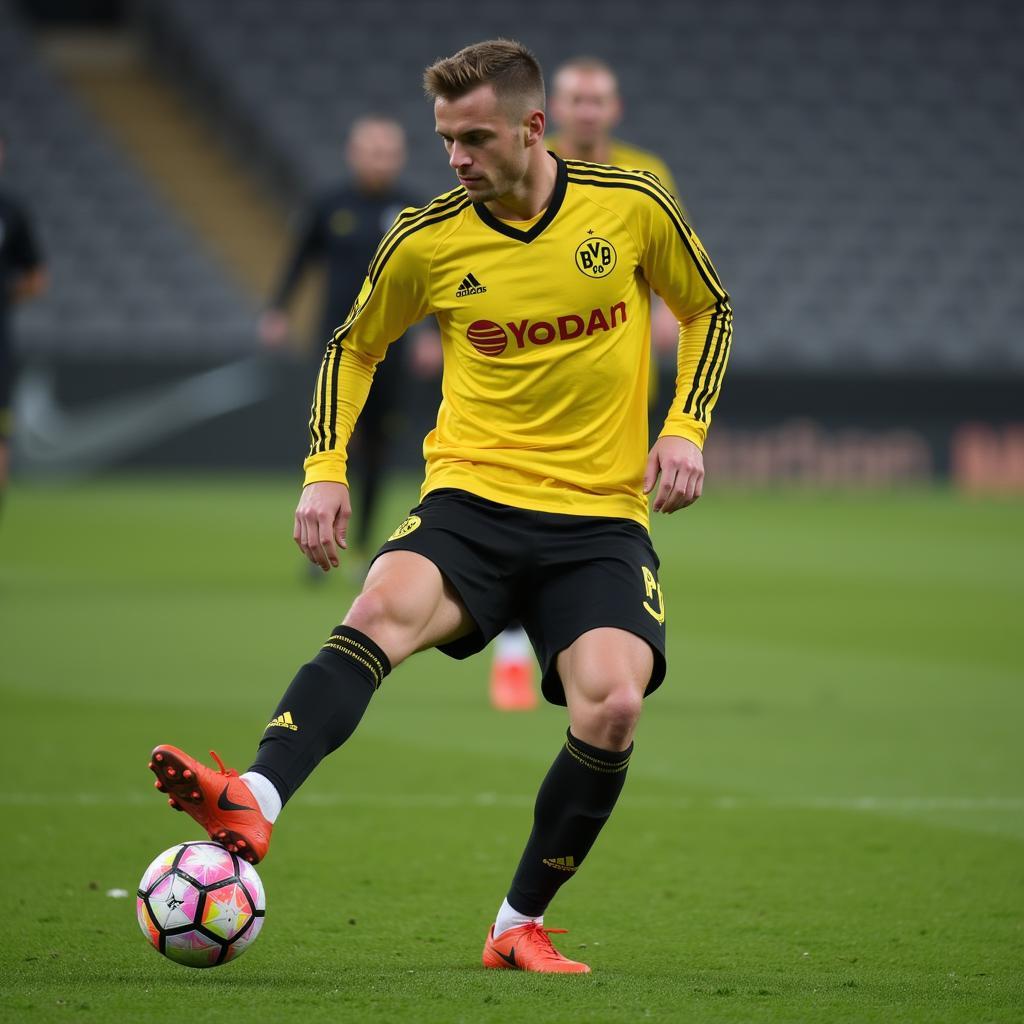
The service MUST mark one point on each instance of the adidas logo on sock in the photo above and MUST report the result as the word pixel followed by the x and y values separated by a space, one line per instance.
pixel 470 286
pixel 284 722
pixel 561 863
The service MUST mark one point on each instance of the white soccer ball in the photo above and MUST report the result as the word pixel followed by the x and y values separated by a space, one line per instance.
pixel 200 905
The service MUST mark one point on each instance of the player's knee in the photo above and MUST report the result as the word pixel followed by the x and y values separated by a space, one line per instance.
pixel 619 713
pixel 609 721
pixel 389 618
pixel 373 613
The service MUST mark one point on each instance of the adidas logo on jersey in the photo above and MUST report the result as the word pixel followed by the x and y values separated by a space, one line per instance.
pixel 470 286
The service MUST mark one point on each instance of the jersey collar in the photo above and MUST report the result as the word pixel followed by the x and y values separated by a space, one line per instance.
pixel 561 178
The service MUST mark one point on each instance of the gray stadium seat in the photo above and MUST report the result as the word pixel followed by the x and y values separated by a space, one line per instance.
pixel 853 166
pixel 127 278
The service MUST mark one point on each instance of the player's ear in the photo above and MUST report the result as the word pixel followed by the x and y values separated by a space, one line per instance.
pixel 533 127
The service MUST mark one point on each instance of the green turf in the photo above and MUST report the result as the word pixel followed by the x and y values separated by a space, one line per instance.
pixel 824 819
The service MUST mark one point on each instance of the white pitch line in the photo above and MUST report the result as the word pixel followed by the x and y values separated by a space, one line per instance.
pixel 441 801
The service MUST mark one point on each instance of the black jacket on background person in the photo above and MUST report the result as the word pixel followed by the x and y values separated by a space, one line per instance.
pixel 341 228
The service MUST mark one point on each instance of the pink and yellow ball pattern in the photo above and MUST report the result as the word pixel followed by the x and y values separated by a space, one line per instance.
pixel 200 905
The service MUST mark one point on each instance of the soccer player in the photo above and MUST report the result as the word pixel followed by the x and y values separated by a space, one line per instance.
pixel 341 229
pixel 22 277
pixel 540 272
pixel 585 107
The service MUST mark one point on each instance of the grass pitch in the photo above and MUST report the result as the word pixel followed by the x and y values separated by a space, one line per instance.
pixel 824 818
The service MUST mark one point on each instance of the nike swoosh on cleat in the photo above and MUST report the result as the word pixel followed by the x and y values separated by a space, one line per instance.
pixel 226 805
pixel 510 959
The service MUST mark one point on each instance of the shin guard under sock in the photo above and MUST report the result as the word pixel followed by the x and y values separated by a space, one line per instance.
pixel 575 800
pixel 320 709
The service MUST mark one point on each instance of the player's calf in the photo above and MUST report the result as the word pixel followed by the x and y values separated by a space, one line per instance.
pixel 320 709
pixel 575 799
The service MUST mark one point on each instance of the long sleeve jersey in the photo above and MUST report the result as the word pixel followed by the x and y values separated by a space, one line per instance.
pixel 545 328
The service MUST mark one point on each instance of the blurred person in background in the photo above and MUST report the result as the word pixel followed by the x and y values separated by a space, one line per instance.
pixel 22 277
pixel 340 230
pixel 586 108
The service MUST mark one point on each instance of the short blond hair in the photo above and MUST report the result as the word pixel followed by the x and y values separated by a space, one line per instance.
pixel 506 65
pixel 587 64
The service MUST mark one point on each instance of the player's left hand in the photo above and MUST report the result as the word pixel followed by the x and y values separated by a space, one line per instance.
pixel 321 521
pixel 680 464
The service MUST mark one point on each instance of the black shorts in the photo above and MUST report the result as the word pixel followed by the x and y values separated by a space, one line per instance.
pixel 560 575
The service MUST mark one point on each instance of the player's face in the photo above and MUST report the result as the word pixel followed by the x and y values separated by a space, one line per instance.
pixel 585 105
pixel 486 146
pixel 376 153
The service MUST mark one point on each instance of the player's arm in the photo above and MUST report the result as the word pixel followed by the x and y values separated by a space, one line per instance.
pixel 393 297
pixel 664 325
pixel 679 270
pixel 308 245
pixel 30 278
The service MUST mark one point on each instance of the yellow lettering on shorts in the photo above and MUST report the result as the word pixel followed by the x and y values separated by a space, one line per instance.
pixel 653 588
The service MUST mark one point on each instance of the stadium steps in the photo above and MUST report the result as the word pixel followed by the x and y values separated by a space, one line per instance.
pixel 206 183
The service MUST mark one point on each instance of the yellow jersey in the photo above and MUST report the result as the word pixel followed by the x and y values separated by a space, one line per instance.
pixel 545 329
pixel 621 154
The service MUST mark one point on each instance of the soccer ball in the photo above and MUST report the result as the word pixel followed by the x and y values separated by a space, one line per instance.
pixel 200 905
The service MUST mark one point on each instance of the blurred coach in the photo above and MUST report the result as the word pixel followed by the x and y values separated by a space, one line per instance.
pixel 340 231
pixel 22 276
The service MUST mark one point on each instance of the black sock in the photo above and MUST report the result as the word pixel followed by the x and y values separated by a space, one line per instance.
pixel 321 708
pixel 575 800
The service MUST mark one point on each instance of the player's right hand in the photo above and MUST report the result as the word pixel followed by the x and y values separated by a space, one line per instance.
pixel 321 520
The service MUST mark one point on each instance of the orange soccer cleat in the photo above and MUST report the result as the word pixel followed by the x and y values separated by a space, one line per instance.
pixel 512 686
pixel 218 800
pixel 528 948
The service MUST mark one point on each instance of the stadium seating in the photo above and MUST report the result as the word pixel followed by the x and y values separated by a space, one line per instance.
pixel 127 279
pixel 852 166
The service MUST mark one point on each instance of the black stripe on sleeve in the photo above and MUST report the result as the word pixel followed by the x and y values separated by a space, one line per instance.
pixel 648 178
pixel 713 379
pixel 325 410
pixel 712 331
pixel 331 441
pixel 411 217
pixel 321 420
pixel 397 240
pixel 408 215
pixel 314 410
